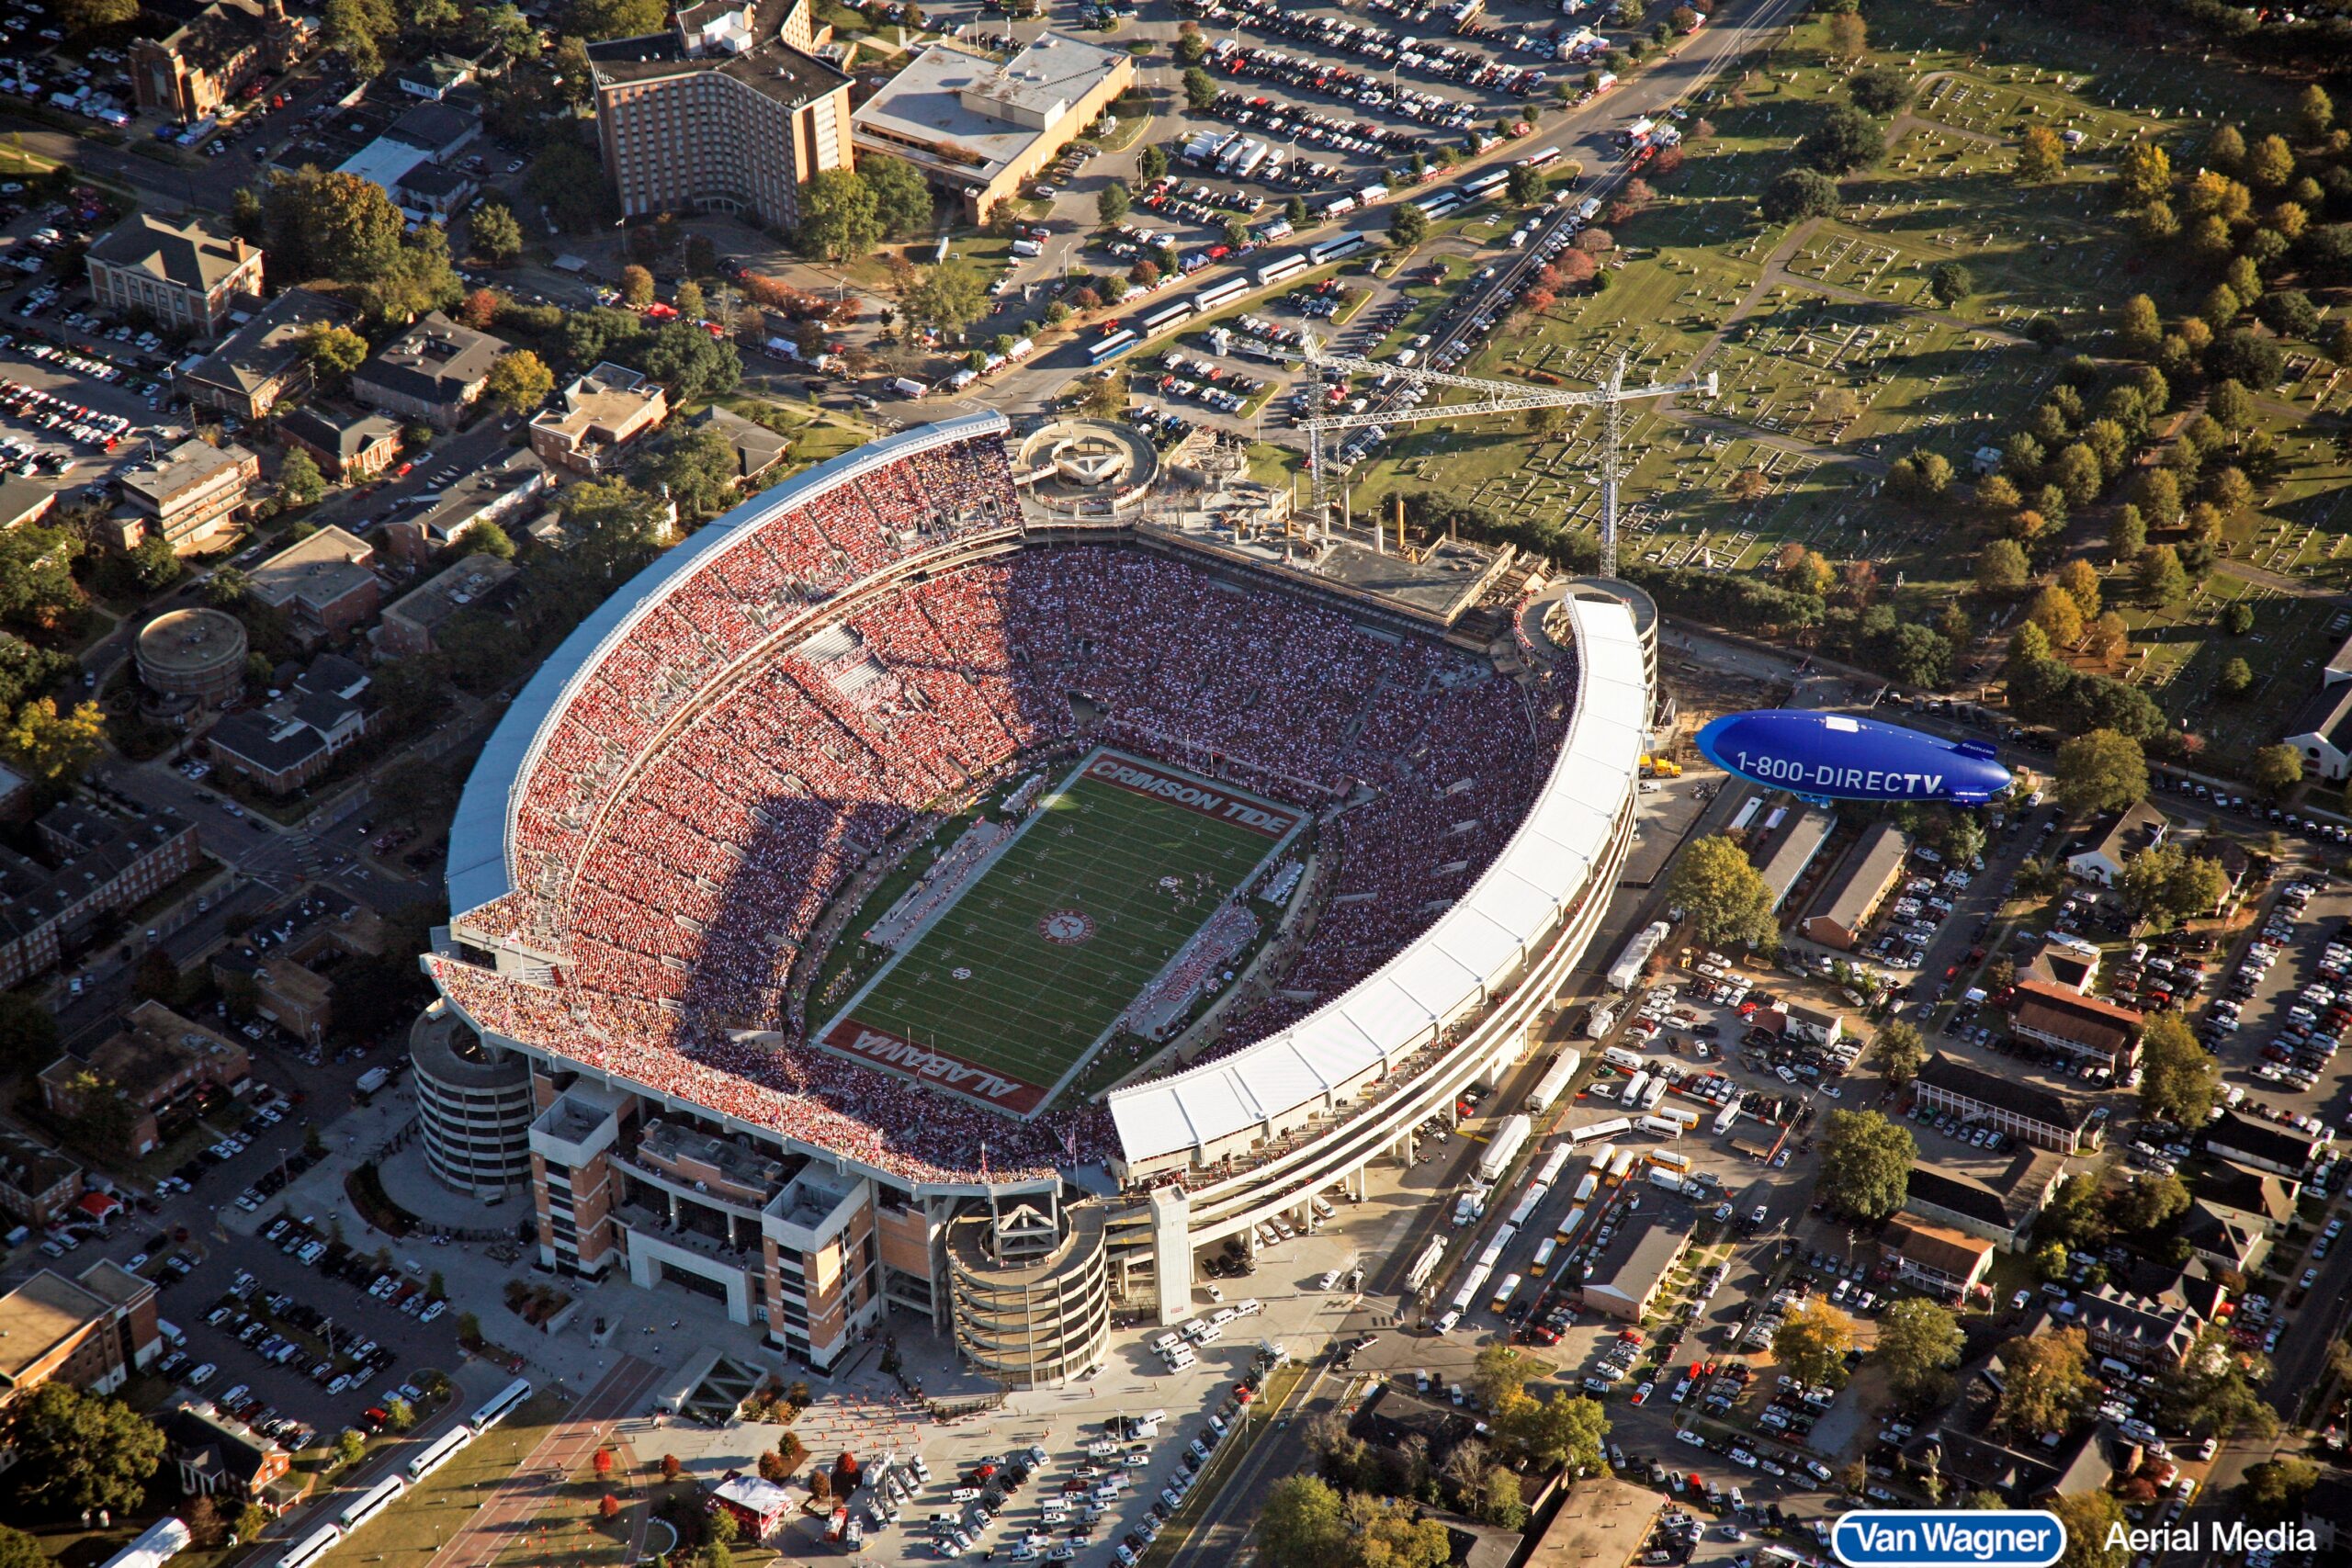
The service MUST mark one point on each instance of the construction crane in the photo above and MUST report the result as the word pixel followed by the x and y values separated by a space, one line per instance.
pixel 1494 398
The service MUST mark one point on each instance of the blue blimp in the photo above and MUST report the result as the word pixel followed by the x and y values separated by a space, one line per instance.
pixel 1834 756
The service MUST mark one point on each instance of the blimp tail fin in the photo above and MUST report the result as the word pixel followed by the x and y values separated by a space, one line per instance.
pixel 1977 749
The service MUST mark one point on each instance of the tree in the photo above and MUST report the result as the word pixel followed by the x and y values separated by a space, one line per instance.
pixel 2101 770
pixel 398 1413
pixel 497 238
pixel 951 297
pixel 299 483
pixel 2235 677
pixel 1724 898
pixel 1200 92
pixel 349 1447
pixel 1407 227
pixel 1106 398
pixel 1844 141
pixel 609 1507
pixel 1500 1375
pixel 1865 1163
pixel 1560 1429
pixel 1849 36
pixel 484 538
pixel 2055 612
pixel 840 216
pixel 2275 1489
pixel 2269 163
pixel 1880 90
pixel 519 381
pixel 2148 1203
pixel 2044 1380
pixel 2089 1518
pixel 331 225
pixel 2001 566
pixel 2041 155
pixel 54 749
pixel 2079 580
pixel 1299 1524
pixel 1900 1051
pixel 1798 194
pixel 2179 1080
pixel 90 16
pixel 356 29
pixel 2141 332
pixel 1525 186
pixel 2231 405
pixel 19 1550
pixel 2162 579
pixel 1951 282
pixel 2275 769
pixel 595 20
pixel 637 287
pixel 902 199
pixel 1500 1502
pixel 1112 202
pixel 2144 173
pixel 1812 1342
pixel 28 1034
pixel 2314 113
pixel 334 353
pixel 1918 1343
pixel 697 468
pixel 1151 164
pixel 80 1450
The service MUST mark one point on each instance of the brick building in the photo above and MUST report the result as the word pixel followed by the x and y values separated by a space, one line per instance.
pixel 181 272
pixel 96 862
pixel 168 1068
pixel 326 584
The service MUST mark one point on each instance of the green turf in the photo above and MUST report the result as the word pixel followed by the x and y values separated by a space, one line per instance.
pixel 1032 1008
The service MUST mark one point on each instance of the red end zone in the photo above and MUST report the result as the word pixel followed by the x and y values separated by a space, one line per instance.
pixel 1260 817
pixel 863 1042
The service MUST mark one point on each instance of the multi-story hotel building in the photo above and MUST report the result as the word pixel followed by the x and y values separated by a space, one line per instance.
pixel 727 112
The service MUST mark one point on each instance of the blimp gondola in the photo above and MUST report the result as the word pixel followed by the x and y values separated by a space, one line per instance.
pixel 1834 756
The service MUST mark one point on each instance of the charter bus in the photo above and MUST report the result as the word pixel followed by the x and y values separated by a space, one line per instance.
pixel 444 1448
pixel 1105 349
pixel 508 1401
pixel 313 1547
pixel 370 1503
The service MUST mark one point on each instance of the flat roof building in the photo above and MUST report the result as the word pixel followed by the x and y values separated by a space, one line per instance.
pixel 89 1332
pixel 191 492
pixel 198 653
pixel 414 621
pixel 326 582
pixel 977 128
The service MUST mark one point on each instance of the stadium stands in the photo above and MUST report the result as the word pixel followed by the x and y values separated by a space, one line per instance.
pixel 746 738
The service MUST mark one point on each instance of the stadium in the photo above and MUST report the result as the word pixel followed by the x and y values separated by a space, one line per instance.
pixel 914 898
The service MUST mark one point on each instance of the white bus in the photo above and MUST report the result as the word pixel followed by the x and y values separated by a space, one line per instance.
pixel 1554 1164
pixel 1111 348
pixel 1289 267
pixel 1660 1127
pixel 444 1448
pixel 1467 1296
pixel 370 1503
pixel 311 1548
pixel 1225 293
pixel 503 1404
pixel 1609 1129
pixel 1168 316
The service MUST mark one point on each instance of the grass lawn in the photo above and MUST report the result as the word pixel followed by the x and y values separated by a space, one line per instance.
pixel 987 983
pixel 436 1507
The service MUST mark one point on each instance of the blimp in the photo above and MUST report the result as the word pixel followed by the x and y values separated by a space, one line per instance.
pixel 1834 756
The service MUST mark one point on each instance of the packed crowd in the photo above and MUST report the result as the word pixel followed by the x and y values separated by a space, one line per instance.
pixel 739 804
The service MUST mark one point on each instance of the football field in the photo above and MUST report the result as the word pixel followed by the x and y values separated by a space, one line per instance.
pixel 1013 985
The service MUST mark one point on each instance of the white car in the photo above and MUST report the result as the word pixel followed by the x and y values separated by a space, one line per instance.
pixel 1330 1281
